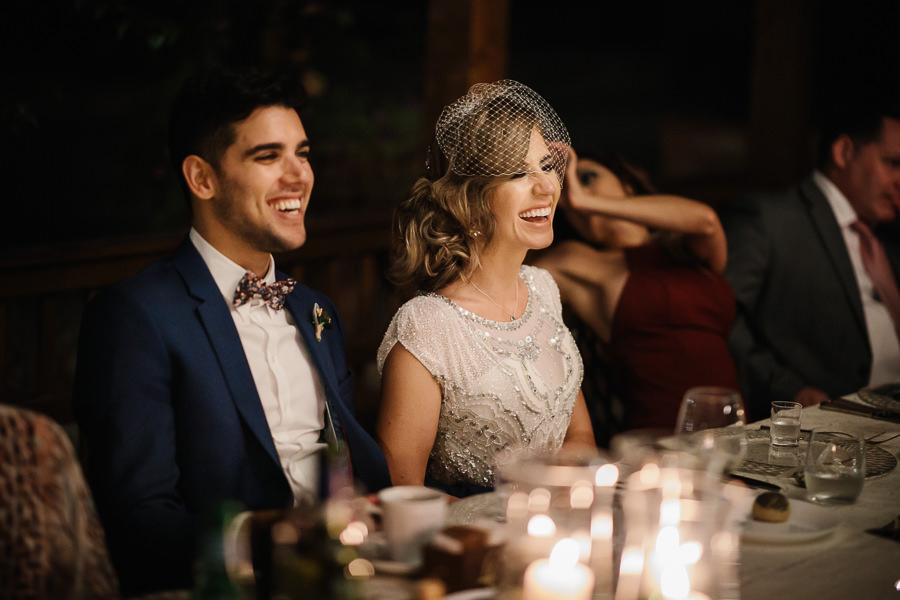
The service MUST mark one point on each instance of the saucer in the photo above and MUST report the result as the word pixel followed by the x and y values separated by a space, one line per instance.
pixel 393 567
pixel 375 550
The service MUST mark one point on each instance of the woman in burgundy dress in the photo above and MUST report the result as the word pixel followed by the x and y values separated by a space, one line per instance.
pixel 642 271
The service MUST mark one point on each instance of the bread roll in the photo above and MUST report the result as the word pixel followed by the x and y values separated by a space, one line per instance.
pixel 771 507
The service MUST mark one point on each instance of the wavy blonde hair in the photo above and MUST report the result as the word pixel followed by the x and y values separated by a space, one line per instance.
pixel 440 230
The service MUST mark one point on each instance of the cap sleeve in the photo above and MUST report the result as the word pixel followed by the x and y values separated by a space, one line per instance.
pixel 545 286
pixel 418 326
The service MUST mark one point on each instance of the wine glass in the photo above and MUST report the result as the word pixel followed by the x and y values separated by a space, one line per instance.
pixel 710 426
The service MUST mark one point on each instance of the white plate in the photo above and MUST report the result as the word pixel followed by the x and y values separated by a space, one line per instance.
pixel 807 522
pixel 476 594
pixel 375 551
pixel 470 510
pixel 393 567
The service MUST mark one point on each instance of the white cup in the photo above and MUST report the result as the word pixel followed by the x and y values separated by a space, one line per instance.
pixel 410 516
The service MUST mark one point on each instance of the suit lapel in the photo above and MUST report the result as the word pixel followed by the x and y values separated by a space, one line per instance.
pixel 836 248
pixel 226 343
pixel 300 304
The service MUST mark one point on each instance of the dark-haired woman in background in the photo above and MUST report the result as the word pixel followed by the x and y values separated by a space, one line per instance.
pixel 643 272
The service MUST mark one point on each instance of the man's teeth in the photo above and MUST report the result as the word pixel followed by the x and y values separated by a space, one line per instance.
pixel 535 212
pixel 292 205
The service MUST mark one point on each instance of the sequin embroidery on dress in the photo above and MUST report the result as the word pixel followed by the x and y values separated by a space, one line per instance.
pixel 507 386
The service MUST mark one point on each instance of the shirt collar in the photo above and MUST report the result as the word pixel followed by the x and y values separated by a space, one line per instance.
pixel 226 273
pixel 840 206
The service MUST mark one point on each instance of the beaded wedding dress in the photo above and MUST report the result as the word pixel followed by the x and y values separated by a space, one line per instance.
pixel 507 386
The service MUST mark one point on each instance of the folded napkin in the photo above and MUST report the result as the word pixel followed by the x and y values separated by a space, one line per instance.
pixel 857 408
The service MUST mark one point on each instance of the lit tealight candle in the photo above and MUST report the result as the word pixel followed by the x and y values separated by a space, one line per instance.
pixel 561 577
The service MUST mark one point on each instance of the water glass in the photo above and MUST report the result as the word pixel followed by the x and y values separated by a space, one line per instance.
pixel 835 467
pixel 785 428
pixel 710 426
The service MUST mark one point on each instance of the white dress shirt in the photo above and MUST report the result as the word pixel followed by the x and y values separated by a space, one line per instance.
pixel 289 387
pixel 882 335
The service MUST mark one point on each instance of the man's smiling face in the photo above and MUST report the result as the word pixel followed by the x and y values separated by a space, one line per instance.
pixel 263 185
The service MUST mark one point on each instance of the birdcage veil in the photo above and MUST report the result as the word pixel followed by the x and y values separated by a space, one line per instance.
pixel 487 132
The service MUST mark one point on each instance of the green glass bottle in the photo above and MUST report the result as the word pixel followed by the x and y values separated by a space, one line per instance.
pixel 211 580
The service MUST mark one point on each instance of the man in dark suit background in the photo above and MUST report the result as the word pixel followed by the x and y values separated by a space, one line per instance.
pixel 811 325
pixel 188 393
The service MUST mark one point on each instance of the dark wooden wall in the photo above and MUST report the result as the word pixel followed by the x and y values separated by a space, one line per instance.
pixel 46 289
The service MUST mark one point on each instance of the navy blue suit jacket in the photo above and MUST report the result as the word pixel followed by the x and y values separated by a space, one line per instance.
pixel 166 402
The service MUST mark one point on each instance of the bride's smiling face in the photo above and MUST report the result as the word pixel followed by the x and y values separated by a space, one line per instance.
pixel 523 207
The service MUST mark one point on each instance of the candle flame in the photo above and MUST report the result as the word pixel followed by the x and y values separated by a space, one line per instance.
pixel 632 562
pixel 539 499
pixel 352 536
pixel 541 526
pixel 606 476
pixel 581 495
pixel 649 474
pixel 672 484
pixel 690 552
pixel 670 512
pixel 564 554
pixel 360 567
pixel 602 526
pixel 674 582
pixel 667 542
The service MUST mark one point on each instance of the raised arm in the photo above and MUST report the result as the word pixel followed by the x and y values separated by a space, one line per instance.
pixel 408 418
pixel 702 232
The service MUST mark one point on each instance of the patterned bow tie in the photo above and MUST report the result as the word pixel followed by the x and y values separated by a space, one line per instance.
pixel 273 294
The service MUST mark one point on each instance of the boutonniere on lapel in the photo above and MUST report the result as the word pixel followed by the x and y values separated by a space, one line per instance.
pixel 321 320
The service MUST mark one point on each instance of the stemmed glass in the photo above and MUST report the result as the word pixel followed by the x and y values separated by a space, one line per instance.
pixel 710 426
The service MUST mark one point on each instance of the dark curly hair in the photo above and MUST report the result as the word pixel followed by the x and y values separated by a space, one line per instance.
pixel 209 104
pixel 635 181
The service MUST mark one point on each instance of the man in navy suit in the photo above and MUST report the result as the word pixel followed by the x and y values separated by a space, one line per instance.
pixel 811 323
pixel 189 392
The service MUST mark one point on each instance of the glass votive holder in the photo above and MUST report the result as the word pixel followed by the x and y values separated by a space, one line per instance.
pixel 554 498
pixel 681 537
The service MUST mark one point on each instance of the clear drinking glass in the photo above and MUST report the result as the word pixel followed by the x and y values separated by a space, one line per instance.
pixel 681 536
pixel 553 497
pixel 835 467
pixel 711 425
pixel 785 428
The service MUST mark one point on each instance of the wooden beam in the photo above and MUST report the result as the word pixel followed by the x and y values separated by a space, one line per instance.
pixel 780 134
pixel 467 44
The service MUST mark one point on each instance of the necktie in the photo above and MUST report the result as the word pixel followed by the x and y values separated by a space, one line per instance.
pixel 878 267
pixel 273 294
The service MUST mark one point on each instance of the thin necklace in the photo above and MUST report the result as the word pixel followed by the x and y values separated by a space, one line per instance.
pixel 512 316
